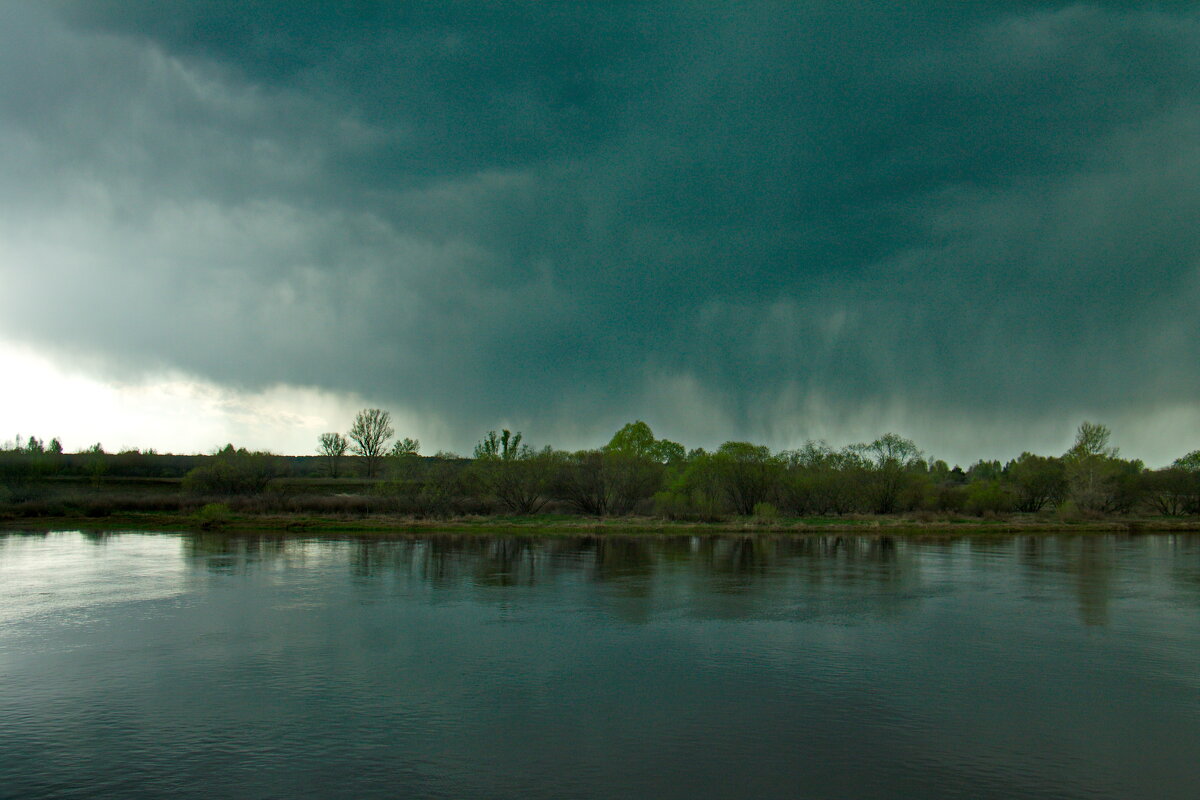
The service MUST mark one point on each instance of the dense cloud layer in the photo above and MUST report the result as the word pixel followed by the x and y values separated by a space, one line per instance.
pixel 774 221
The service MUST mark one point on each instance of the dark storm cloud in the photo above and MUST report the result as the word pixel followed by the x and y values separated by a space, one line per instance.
pixel 561 212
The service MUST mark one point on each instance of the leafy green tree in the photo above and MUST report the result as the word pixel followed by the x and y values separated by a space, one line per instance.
pixel 636 439
pixel 370 433
pixel 96 463
pixel 693 491
pixel 939 471
pixel 748 475
pixel 631 479
pixel 670 453
pixel 333 447
pixel 1189 463
pixel 890 462
pixel 635 464
pixel 984 471
pixel 1036 481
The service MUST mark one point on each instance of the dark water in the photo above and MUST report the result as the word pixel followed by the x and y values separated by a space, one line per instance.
pixel 181 666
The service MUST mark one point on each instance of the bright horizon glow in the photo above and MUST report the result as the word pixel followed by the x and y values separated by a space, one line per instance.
pixel 173 412
pixel 177 413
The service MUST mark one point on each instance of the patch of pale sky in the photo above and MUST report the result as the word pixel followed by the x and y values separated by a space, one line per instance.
pixel 172 412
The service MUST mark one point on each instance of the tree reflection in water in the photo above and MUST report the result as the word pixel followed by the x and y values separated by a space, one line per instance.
pixel 722 575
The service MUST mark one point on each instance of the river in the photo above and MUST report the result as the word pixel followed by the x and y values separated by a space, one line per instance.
pixel 251 666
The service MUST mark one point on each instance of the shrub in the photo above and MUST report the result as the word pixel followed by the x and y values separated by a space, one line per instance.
pixel 949 497
pixel 696 507
pixel 231 472
pixel 97 508
pixel 988 497
pixel 670 505
pixel 765 512
pixel 213 514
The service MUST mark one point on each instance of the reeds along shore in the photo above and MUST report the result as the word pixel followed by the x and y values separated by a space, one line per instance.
pixel 635 475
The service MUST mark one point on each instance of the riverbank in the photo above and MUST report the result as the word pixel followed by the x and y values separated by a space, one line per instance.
pixel 558 525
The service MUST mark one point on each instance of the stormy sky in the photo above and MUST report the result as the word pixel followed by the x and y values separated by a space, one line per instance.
pixel 975 224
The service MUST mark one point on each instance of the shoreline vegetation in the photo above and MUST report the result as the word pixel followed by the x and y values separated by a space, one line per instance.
pixel 557 525
pixel 635 484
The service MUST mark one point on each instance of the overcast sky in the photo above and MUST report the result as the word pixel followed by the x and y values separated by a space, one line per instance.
pixel 975 224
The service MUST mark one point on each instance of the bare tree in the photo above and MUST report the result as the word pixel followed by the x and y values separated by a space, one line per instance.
pixel 333 447
pixel 371 430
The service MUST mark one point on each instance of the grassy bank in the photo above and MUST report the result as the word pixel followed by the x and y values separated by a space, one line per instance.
pixel 350 506
pixel 210 519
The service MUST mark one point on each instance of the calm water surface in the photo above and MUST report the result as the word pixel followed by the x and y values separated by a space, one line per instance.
pixel 152 665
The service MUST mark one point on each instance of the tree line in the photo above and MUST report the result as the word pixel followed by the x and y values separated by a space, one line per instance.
pixel 638 473
pixel 635 472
